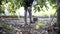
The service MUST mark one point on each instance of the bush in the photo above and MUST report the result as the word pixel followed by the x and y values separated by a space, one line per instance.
pixel 38 25
pixel 8 27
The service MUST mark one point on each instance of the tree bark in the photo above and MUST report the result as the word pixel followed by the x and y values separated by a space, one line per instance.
pixel 58 15
pixel 58 19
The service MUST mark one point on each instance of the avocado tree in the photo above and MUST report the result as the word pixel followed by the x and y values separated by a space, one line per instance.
pixel 37 4
pixel 16 4
pixel 58 14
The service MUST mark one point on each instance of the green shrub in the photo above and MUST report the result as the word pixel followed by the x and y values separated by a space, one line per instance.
pixel 38 24
pixel 8 27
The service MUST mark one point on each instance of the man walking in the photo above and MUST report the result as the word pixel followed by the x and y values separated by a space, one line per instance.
pixel 27 8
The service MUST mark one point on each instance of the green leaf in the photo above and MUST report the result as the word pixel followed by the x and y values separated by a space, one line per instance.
pixel 38 9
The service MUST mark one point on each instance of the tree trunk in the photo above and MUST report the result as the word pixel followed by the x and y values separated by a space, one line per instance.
pixel 58 19
pixel 58 15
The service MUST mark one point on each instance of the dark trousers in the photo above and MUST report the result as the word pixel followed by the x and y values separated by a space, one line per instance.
pixel 29 10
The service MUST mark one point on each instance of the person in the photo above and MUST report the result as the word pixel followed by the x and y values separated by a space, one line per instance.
pixel 27 8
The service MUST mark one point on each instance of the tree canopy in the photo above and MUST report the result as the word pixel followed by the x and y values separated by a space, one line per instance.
pixel 37 4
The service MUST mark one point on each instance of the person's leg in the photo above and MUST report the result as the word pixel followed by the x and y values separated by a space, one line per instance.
pixel 30 14
pixel 25 15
